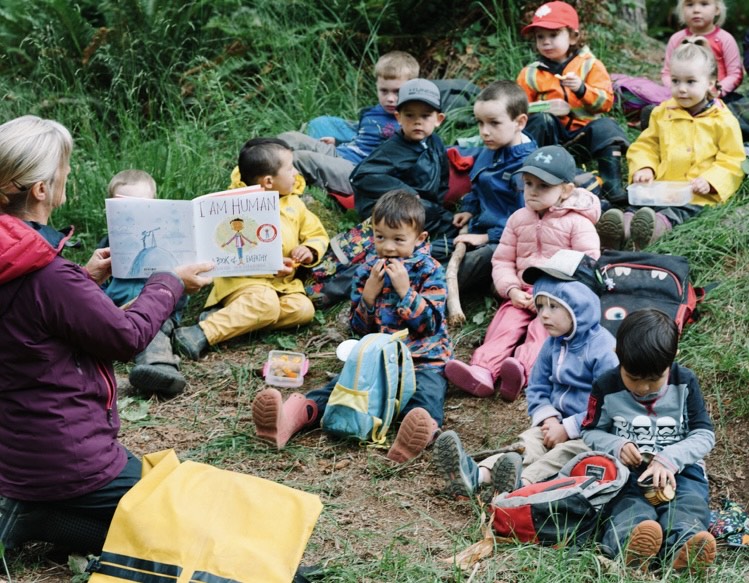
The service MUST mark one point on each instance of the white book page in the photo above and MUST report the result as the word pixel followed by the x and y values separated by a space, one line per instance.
pixel 239 231
pixel 147 235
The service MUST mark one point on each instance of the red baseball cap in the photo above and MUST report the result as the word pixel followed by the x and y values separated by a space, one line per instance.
pixel 553 15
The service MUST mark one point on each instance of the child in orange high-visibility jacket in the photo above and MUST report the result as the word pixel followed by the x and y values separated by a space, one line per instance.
pixel 567 70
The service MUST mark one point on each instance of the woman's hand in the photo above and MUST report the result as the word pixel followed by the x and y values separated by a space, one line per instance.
pixel 99 267
pixel 190 275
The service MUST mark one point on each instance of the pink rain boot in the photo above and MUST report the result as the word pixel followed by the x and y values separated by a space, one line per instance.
pixel 471 378
pixel 416 432
pixel 513 379
pixel 276 421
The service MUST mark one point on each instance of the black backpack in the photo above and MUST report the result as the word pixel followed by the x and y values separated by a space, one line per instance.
pixel 635 280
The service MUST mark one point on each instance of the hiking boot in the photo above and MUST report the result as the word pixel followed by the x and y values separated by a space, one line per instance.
pixel 697 553
pixel 277 421
pixel 156 369
pixel 416 432
pixel 512 374
pixel 461 472
pixel 647 227
pixel 610 229
pixel 473 379
pixel 644 544
pixel 506 473
pixel 190 341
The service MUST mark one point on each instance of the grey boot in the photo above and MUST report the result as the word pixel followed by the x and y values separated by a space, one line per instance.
pixel 610 171
pixel 156 369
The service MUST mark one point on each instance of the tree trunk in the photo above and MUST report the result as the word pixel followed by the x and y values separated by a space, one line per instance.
pixel 635 12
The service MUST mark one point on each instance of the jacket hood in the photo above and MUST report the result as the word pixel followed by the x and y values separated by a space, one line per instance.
pixel 578 299
pixel 24 248
pixel 580 201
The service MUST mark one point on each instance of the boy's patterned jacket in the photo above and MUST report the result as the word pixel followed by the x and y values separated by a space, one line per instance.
pixel 422 310
pixel 596 95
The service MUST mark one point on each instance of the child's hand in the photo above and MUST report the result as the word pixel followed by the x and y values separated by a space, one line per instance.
pixel 374 284
pixel 520 299
pixel 630 455
pixel 460 219
pixel 643 175
pixel 571 80
pixel 302 255
pixel 99 267
pixel 190 275
pixel 398 276
pixel 700 186
pixel 472 240
pixel 554 432
pixel 328 140
pixel 661 475
pixel 288 267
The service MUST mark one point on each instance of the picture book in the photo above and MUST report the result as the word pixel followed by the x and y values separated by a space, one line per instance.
pixel 238 230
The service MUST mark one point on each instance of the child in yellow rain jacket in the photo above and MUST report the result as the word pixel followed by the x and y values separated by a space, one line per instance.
pixel 270 301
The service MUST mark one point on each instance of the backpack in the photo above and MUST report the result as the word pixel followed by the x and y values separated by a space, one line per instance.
pixel 564 509
pixel 375 384
pixel 635 280
pixel 634 93
pixel 456 98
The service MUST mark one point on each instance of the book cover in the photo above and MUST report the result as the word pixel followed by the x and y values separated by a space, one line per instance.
pixel 238 230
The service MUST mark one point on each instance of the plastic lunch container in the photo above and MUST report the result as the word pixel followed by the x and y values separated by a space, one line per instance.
pixel 660 193
pixel 285 369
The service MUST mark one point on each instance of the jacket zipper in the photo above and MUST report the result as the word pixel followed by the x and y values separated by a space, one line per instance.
pixel 111 390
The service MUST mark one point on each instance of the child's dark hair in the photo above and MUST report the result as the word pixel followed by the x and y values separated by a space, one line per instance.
pixel 509 93
pixel 647 342
pixel 260 157
pixel 399 207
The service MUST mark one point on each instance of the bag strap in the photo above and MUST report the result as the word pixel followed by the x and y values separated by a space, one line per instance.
pixel 392 382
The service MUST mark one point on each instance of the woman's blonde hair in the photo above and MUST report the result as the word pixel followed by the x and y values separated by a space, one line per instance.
pixel 719 21
pixel 31 150
pixel 697 48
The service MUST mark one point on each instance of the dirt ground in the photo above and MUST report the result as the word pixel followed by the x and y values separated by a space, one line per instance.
pixel 369 502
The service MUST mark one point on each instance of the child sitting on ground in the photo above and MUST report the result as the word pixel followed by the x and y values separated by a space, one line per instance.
pixel 578 351
pixel 263 301
pixel 414 160
pixel 156 369
pixel 704 18
pixel 567 70
pixel 649 412
pixel 501 111
pixel 402 287
pixel 692 137
pixel 556 216
pixel 327 165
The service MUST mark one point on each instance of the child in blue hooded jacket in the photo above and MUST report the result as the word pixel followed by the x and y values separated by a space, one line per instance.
pixel 577 351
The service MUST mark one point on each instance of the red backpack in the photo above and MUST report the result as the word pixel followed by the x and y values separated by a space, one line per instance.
pixel 564 509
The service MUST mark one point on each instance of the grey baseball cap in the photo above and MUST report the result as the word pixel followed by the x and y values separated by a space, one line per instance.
pixel 552 164
pixel 419 90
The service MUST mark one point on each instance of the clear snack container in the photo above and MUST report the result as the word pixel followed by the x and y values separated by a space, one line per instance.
pixel 660 193
pixel 285 369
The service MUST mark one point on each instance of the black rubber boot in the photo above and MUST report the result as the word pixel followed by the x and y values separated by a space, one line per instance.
pixel 610 171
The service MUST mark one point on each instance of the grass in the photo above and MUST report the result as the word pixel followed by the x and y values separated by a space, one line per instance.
pixel 182 114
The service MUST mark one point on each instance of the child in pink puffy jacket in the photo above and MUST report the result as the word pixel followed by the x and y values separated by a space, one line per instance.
pixel 557 215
